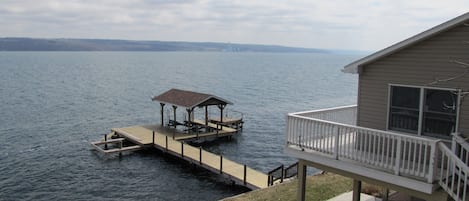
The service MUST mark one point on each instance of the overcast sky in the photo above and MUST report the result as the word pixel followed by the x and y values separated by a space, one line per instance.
pixel 332 24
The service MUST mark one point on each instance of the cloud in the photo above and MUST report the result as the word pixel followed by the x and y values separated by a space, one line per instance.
pixel 339 24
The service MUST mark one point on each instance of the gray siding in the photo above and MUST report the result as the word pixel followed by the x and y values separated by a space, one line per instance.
pixel 418 64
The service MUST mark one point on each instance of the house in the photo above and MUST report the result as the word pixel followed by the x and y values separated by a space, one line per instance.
pixel 408 129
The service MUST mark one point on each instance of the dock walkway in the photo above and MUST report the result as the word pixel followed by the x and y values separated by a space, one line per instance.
pixel 238 173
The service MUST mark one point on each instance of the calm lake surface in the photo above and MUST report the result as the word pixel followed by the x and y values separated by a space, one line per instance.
pixel 52 104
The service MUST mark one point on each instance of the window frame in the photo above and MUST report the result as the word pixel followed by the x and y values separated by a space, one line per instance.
pixel 421 109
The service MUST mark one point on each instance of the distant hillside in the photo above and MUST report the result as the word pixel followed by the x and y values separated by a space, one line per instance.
pixel 33 44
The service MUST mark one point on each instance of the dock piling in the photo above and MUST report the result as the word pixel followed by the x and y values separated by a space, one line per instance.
pixel 245 171
pixel 221 164
pixel 153 137
pixel 120 148
pixel 166 143
pixel 105 140
pixel 182 149
pixel 200 155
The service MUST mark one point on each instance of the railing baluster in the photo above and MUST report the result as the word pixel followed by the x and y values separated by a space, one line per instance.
pixel 405 159
pixel 465 187
pixel 398 156
pixel 374 152
pixel 368 145
pixel 337 142
pixel 459 183
pixel 320 137
pixel 420 162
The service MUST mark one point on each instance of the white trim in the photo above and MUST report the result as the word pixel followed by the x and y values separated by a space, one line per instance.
pixel 421 103
pixel 456 126
pixel 322 110
pixel 389 107
pixel 426 87
pixel 356 66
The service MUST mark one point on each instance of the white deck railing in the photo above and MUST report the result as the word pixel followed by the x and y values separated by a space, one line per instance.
pixel 454 173
pixel 330 133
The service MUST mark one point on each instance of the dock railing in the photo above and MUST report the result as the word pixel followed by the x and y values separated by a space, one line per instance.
pixel 281 173
pixel 217 163
pixel 332 133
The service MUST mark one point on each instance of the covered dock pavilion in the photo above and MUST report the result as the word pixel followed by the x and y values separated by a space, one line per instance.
pixel 190 100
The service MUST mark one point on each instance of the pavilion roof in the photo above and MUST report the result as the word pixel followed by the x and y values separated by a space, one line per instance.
pixel 189 99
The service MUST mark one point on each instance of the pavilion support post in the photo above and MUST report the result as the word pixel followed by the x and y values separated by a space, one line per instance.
pixel 162 113
pixel 189 114
pixel 174 112
pixel 221 107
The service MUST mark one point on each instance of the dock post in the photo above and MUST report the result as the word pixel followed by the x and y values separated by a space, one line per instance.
pixel 153 138
pixel 166 143
pixel 200 155
pixel 182 149
pixel 120 147
pixel 221 164
pixel 283 174
pixel 245 171
pixel 105 140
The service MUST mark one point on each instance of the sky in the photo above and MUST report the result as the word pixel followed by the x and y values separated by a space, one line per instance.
pixel 367 25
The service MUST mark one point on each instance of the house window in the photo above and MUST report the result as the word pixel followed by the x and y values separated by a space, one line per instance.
pixel 423 111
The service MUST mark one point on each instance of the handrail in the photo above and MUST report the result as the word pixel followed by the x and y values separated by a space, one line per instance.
pixel 453 174
pixel 283 173
pixel 323 110
pixel 286 175
pixel 364 128
pixel 460 147
pixel 271 175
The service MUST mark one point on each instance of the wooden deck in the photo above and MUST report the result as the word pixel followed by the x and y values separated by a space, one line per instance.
pixel 162 139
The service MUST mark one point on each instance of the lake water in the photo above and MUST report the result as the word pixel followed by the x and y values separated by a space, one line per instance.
pixel 52 104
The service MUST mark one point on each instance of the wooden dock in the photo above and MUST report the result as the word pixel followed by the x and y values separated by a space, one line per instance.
pixel 173 143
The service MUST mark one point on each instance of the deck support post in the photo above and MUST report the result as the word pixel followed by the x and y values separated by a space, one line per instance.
pixel 221 164
pixel 357 187
pixel 162 114
pixel 105 140
pixel 174 113
pixel 386 194
pixel 301 181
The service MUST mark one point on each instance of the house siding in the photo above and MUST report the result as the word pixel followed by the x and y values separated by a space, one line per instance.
pixel 419 64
